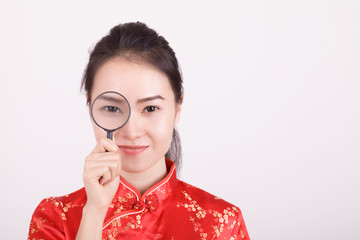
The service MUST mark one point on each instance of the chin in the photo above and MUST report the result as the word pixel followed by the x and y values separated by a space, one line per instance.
pixel 133 169
pixel 136 165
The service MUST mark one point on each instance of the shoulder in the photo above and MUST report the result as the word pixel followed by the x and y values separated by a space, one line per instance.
pixel 211 214
pixel 61 206
pixel 75 198
pixel 195 193
pixel 205 199
pixel 52 217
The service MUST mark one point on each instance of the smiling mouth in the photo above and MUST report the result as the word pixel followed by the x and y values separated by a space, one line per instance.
pixel 132 150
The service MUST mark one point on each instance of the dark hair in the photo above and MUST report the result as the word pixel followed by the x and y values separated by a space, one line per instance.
pixel 136 40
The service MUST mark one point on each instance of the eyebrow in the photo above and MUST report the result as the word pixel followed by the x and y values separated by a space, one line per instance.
pixel 111 99
pixel 147 99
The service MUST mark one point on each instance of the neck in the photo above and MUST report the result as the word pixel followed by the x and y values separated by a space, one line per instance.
pixel 142 181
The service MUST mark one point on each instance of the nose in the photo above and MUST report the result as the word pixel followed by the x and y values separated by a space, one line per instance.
pixel 132 130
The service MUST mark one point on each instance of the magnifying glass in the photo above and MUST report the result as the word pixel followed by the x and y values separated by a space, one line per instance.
pixel 110 111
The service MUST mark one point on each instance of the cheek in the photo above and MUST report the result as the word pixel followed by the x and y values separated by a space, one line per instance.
pixel 161 130
pixel 99 133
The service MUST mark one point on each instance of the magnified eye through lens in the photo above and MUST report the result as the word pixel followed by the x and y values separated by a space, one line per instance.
pixel 110 111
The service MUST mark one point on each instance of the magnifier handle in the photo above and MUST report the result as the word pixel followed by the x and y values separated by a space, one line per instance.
pixel 109 136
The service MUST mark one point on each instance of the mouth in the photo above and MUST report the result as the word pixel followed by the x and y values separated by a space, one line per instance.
pixel 132 149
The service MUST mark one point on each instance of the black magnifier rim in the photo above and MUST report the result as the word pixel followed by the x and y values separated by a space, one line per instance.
pixel 92 115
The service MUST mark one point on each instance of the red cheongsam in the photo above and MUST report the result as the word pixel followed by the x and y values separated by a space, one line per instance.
pixel 171 209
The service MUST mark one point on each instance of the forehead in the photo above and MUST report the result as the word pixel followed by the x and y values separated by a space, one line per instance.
pixel 134 80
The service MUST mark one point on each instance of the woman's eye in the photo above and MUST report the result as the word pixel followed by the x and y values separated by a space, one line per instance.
pixel 150 109
pixel 112 109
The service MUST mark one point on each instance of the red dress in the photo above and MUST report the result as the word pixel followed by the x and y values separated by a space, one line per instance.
pixel 171 209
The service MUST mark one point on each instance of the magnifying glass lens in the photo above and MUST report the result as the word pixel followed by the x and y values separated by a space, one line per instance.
pixel 110 111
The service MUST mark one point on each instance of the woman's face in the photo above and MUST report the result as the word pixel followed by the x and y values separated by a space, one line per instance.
pixel 146 137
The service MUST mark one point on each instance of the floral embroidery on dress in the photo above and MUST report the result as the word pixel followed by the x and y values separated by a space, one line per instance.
pixel 172 209
pixel 221 219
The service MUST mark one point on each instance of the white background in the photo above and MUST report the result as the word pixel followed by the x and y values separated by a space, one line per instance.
pixel 270 120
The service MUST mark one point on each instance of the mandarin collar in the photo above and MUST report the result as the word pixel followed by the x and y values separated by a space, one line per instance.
pixel 129 198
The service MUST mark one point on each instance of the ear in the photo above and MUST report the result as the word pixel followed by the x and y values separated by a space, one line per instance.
pixel 178 109
pixel 86 98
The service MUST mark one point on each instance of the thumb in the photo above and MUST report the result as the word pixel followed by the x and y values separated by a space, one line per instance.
pixel 114 184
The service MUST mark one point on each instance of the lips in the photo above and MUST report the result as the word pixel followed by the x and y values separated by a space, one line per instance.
pixel 132 149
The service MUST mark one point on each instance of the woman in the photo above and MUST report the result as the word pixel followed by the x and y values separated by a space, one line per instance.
pixel 131 190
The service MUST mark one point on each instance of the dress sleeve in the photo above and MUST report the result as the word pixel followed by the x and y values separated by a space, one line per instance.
pixel 46 222
pixel 240 232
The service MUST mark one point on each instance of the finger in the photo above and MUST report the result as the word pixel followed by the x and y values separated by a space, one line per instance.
pixel 113 167
pixel 97 158
pixel 110 176
pixel 104 145
pixel 111 159
pixel 106 177
pixel 113 184
pixel 118 166
pixel 106 163
pixel 93 175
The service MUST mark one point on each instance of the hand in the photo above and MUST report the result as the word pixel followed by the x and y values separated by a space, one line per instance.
pixel 101 175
